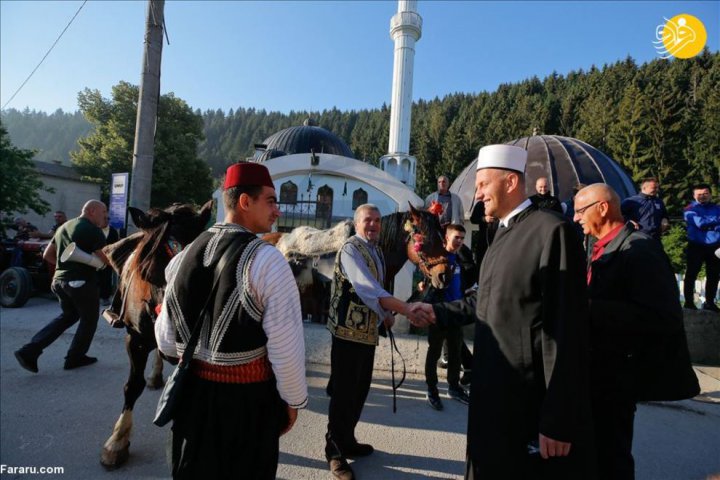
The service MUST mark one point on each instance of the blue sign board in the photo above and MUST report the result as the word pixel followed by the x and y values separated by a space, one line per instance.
pixel 118 200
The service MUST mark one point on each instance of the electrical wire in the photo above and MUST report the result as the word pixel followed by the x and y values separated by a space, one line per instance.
pixel 43 59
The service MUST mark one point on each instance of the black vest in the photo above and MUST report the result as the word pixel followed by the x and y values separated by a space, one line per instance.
pixel 233 335
pixel 349 318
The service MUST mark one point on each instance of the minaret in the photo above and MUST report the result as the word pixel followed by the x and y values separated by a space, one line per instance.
pixel 405 30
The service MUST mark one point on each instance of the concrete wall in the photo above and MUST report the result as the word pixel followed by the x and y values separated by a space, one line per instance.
pixel 69 196
pixel 703 335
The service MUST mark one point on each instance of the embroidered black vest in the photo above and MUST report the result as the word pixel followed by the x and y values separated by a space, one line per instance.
pixel 349 318
pixel 234 334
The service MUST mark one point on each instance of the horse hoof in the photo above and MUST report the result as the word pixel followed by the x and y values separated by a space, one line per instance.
pixel 112 460
pixel 155 383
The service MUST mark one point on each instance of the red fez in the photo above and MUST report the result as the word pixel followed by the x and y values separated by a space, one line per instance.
pixel 247 174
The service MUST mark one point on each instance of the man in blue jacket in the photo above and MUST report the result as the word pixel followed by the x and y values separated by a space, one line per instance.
pixel 703 228
pixel 646 210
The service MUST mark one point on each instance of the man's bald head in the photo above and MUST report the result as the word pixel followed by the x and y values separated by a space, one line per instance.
pixel 96 212
pixel 597 209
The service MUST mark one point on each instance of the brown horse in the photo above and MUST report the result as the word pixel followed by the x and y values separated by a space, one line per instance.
pixel 399 234
pixel 140 260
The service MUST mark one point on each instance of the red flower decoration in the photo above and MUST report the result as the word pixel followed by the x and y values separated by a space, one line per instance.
pixel 435 208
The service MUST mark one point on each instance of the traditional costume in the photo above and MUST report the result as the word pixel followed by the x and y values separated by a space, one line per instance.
pixel 531 344
pixel 355 313
pixel 250 360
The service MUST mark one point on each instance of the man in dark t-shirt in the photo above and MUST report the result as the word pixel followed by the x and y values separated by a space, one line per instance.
pixel 76 286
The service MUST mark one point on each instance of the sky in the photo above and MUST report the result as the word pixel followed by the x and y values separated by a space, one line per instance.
pixel 316 55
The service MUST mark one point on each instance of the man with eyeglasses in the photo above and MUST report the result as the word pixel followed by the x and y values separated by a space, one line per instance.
pixel 638 346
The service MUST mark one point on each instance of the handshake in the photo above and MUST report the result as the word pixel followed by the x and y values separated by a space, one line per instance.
pixel 420 314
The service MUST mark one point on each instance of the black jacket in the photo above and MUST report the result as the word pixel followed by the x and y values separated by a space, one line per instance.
pixel 637 330
pixel 529 364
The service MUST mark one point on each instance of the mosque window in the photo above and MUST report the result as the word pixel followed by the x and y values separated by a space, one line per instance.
pixel 324 206
pixel 360 197
pixel 288 192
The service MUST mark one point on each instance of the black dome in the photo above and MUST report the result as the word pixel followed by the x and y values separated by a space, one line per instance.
pixel 301 139
pixel 564 161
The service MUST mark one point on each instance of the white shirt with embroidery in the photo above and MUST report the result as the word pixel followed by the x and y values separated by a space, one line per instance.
pixel 273 286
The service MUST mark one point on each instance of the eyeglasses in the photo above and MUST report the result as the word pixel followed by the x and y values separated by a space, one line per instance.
pixel 580 211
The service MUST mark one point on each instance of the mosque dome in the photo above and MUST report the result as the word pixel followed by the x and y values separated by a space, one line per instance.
pixel 301 139
pixel 564 161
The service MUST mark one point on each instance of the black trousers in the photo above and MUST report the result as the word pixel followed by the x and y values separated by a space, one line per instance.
pixel 454 339
pixel 351 367
pixel 697 254
pixel 227 431
pixel 77 304
pixel 465 355
pixel 613 418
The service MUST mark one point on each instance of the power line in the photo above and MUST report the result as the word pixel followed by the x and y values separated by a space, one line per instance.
pixel 48 53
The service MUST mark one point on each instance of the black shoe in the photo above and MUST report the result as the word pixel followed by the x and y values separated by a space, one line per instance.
pixel 459 394
pixel 79 362
pixel 357 450
pixel 340 468
pixel 466 378
pixel 433 399
pixel 27 361
pixel 690 306
pixel 711 307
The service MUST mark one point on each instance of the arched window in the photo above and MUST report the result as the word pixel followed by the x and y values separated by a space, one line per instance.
pixel 288 192
pixel 324 206
pixel 360 197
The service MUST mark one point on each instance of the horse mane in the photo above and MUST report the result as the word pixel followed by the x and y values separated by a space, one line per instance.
pixel 392 231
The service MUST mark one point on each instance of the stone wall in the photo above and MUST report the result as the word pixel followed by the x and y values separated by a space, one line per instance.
pixel 703 335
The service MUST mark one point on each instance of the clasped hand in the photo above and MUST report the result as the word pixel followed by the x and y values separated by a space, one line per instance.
pixel 420 314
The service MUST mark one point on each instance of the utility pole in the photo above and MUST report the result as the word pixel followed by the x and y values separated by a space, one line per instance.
pixel 146 123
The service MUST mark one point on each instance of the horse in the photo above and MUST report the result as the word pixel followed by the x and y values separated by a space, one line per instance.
pixel 140 261
pixel 415 235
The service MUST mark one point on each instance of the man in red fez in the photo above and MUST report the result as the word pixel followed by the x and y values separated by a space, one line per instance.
pixel 249 365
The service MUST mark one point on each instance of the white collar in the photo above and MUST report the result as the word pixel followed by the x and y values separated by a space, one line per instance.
pixel 504 221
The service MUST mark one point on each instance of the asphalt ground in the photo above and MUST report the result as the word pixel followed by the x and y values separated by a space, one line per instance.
pixel 59 418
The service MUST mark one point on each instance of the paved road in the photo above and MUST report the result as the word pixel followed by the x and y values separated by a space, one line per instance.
pixel 62 418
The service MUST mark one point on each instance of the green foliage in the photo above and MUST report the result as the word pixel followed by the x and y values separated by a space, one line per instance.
pixel 51 136
pixel 675 245
pixel 178 174
pixel 661 118
pixel 20 183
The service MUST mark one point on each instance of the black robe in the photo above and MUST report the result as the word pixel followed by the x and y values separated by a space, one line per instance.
pixel 531 345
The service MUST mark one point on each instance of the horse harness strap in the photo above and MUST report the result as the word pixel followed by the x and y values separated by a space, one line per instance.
pixel 395 388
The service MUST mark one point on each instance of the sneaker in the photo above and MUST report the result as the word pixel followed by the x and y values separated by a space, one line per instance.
pixel 26 361
pixel 459 394
pixel 79 362
pixel 690 306
pixel 340 468
pixel 433 399
pixel 442 363
pixel 711 307
pixel 466 378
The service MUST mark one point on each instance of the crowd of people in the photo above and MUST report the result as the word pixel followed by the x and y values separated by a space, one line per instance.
pixel 569 335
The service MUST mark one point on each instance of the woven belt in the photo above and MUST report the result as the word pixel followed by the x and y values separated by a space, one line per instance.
pixel 256 371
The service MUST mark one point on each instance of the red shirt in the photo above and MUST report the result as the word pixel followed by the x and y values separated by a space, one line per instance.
pixel 599 248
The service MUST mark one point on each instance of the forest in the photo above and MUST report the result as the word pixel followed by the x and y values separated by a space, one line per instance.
pixel 661 119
